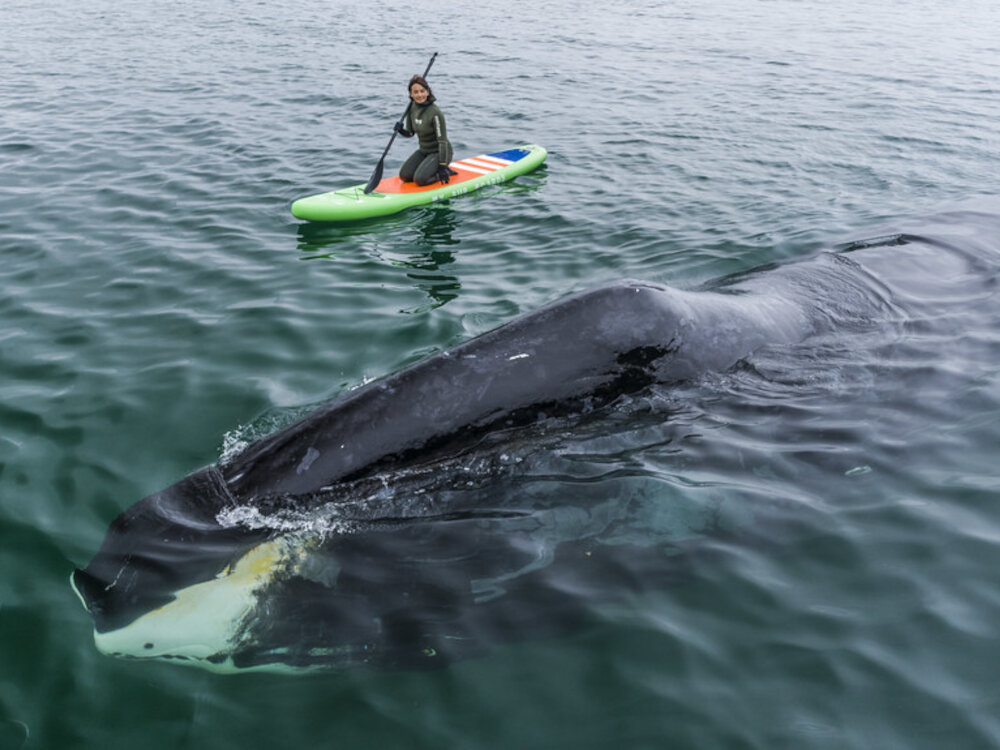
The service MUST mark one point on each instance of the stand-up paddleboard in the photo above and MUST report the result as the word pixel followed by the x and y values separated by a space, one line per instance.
pixel 393 195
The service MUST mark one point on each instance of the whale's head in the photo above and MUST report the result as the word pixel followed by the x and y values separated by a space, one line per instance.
pixel 166 565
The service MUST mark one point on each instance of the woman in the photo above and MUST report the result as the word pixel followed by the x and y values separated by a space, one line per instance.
pixel 429 163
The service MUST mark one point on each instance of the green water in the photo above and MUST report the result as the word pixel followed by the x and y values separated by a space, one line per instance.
pixel 159 305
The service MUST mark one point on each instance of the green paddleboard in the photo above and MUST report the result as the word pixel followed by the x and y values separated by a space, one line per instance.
pixel 393 195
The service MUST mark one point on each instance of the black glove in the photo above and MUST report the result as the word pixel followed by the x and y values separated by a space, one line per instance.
pixel 398 127
pixel 443 173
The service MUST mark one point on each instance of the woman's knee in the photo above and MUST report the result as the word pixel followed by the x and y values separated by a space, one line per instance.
pixel 410 167
pixel 427 171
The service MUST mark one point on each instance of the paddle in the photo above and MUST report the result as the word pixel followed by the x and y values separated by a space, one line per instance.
pixel 376 177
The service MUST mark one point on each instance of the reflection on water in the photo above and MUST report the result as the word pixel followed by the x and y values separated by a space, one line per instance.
pixel 437 227
pixel 426 274
pixel 418 242
pixel 318 240
pixel 431 253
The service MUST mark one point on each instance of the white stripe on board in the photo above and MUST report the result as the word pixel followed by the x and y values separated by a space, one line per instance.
pixel 497 159
pixel 478 162
pixel 467 168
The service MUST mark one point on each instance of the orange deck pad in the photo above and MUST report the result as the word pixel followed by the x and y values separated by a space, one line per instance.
pixel 396 185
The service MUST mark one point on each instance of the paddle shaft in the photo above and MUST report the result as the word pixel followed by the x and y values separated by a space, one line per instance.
pixel 376 177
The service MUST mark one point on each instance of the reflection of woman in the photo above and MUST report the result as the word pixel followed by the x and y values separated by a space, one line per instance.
pixel 429 163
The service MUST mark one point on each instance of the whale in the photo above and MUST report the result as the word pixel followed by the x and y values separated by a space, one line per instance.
pixel 393 527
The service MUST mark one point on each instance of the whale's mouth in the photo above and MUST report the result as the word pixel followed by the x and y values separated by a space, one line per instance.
pixel 109 611
pixel 165 542
pixel 202 623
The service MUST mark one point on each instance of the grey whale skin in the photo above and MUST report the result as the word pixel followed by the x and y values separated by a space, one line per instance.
pixel 390 591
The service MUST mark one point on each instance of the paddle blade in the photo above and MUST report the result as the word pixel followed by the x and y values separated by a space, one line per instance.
pixel 376 177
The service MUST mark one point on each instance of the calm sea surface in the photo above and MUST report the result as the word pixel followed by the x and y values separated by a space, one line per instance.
pixel 159 305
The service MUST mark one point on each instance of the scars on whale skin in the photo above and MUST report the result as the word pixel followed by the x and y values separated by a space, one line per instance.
pixel 385 528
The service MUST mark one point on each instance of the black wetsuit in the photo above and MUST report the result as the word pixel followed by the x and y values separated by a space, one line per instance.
pixel 427 123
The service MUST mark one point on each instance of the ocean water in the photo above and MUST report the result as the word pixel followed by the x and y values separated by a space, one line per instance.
pixel 160 307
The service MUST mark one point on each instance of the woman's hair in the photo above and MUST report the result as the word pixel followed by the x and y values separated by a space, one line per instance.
pixel 423 82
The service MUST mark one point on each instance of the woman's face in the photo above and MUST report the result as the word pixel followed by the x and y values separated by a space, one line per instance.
pixel 418 93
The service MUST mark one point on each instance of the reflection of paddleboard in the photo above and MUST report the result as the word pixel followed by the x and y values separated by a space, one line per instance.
pixel 393 195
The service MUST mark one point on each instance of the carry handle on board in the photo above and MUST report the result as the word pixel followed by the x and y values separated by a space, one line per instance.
pixel 376 177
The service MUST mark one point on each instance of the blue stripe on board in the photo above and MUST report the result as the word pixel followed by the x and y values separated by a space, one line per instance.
pixel 511 154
